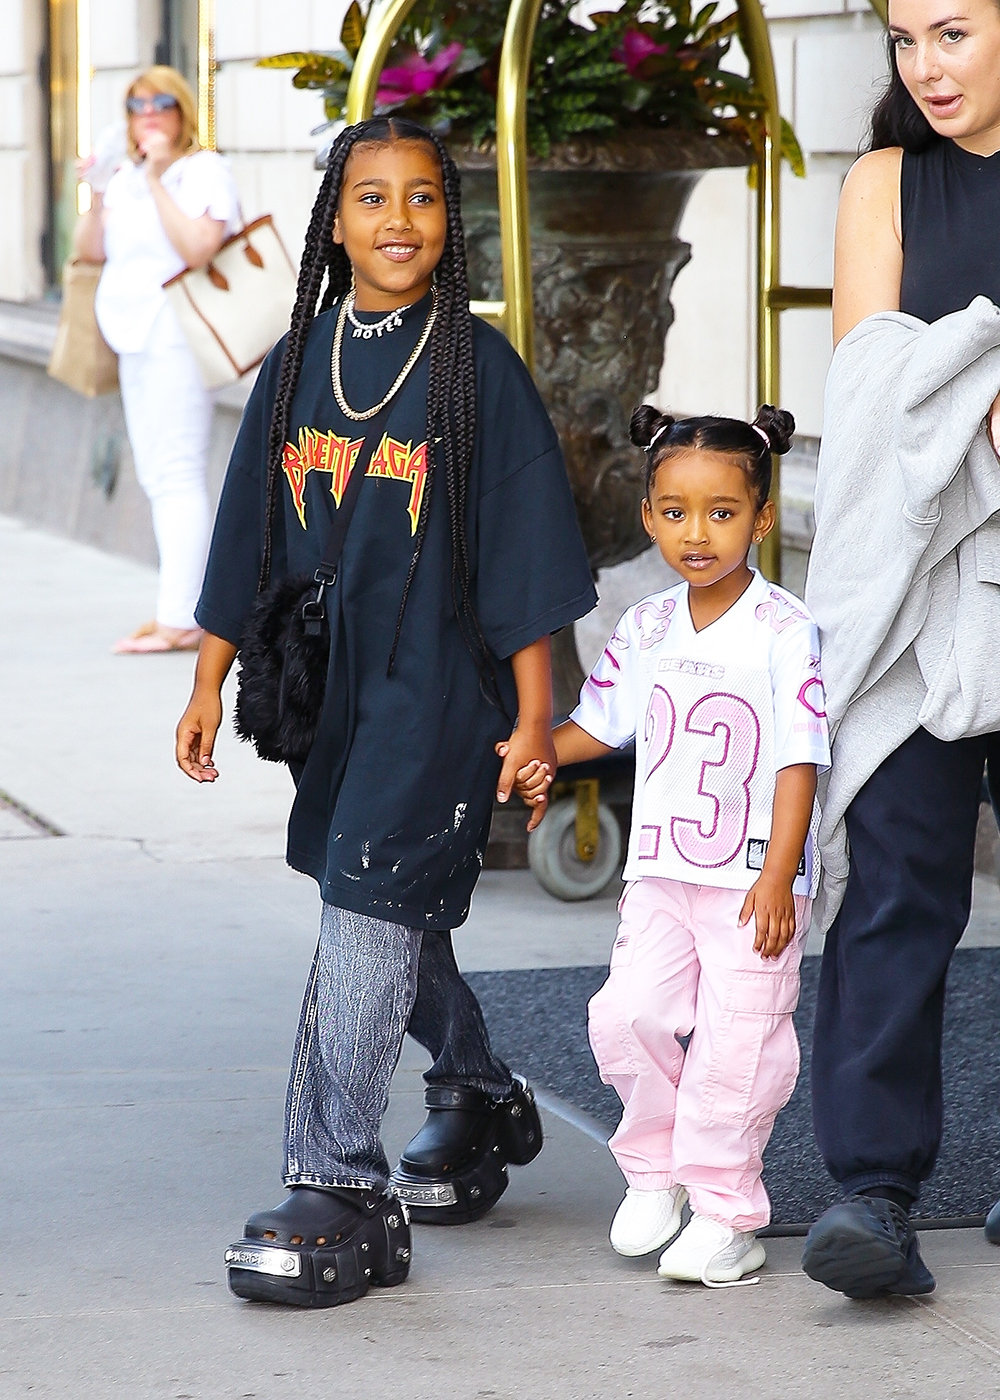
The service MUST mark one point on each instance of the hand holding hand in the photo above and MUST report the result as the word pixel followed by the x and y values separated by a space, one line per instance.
pixel 532 783
pixel 529 764
pixel 771 902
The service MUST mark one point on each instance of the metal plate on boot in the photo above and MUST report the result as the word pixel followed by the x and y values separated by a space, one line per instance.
pixel 434 1194
pixel 284 1263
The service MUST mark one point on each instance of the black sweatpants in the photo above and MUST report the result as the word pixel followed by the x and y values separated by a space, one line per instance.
pixel 876 1066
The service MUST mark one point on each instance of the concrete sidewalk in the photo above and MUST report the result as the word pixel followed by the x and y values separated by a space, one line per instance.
pixel 154 957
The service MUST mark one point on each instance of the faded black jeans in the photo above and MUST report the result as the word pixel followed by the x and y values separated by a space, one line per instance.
pixel 370 982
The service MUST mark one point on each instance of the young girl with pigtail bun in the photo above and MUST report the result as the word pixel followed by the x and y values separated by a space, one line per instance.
pixel 717 680
pixel 461 557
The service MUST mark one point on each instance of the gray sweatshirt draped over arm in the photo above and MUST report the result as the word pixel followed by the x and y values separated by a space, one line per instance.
pixel 904 575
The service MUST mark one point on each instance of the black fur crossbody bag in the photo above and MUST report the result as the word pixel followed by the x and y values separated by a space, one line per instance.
pixel 285 652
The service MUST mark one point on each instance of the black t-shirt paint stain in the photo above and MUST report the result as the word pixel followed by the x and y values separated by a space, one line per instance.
pixel 392 807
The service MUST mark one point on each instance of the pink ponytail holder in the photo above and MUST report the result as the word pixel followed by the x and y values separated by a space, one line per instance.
pixel 760 431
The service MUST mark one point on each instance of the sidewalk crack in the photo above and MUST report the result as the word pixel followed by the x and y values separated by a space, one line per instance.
pixel 964 1334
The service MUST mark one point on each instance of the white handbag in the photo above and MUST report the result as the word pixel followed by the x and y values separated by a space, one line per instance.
pixel 234 309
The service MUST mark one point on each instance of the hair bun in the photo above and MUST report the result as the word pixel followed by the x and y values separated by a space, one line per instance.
pixel 646 422
pixel 777 425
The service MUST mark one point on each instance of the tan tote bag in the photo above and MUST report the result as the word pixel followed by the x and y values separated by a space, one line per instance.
pixel 233 310
pixel 81 357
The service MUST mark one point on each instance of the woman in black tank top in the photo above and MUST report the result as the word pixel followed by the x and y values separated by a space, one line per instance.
pixel 950 224
pixel 918 231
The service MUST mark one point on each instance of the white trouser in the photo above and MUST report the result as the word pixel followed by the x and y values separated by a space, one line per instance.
pixel 168 413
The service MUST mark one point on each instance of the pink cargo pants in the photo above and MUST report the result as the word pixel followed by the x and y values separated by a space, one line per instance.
pixel 681 966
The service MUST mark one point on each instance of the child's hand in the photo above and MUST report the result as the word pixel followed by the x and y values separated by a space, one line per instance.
pixel 196 733
pixel 772 903
pixel 529 762
pixel 532 783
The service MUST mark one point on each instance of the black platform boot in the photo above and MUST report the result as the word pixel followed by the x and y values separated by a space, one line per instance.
pixel 455 1169
pixel 322 1246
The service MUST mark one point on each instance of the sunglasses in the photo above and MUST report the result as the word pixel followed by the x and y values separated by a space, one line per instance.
pixel 142 106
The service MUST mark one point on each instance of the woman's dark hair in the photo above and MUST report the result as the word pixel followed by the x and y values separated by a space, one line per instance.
pixel 897 120
pixel 451 394
pixel 750 443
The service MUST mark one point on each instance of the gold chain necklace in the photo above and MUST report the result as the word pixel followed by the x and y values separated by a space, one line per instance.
pixel 338 339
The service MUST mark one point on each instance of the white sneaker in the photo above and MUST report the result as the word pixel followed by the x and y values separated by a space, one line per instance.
pixel 645 1220
pixel 713 1254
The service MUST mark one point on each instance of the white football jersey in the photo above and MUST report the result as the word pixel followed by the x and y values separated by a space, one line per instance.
pixel 714 714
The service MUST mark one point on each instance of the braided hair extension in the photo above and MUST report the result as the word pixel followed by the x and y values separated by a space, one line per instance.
pixel 451 395
pixel 316 263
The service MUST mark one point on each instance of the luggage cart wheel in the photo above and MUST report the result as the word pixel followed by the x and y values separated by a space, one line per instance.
pixel 558 850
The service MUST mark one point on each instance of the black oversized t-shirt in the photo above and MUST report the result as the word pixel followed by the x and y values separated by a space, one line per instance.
pixel 392 807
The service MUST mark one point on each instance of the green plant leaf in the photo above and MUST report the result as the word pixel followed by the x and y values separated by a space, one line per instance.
pixel 791 150
pixel 318 77
pixel 538 140
pixel 732 82
pixel 636 95
pixel 573 101
pixel 595 73
pixel 578 122
pixel 483 128
pixel 721 29
pixel 291 60
pixel 352 31
pixel 468 62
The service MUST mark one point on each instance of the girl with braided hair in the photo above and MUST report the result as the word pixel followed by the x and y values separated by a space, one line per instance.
pixel 462 556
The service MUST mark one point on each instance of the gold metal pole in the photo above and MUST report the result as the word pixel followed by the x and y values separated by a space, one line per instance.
pixel 84 73
pixel 206 74
pixel 381 27
pixel 512 175
pixel 757 41
pixel 789 298
pixel 64 68
pixel 64 114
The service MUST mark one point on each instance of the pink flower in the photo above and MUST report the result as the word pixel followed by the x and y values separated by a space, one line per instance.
pixel 636 47
pixel 415 76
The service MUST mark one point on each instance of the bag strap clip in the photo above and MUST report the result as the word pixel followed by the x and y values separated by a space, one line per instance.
pixel 314 609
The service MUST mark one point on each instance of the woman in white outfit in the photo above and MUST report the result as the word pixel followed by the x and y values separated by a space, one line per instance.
pixel 168 207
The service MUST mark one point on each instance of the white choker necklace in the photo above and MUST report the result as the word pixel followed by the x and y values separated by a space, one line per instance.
pixel 338 340
pixel 366 330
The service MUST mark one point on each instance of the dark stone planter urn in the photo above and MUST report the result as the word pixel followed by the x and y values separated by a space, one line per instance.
pixel 605 252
